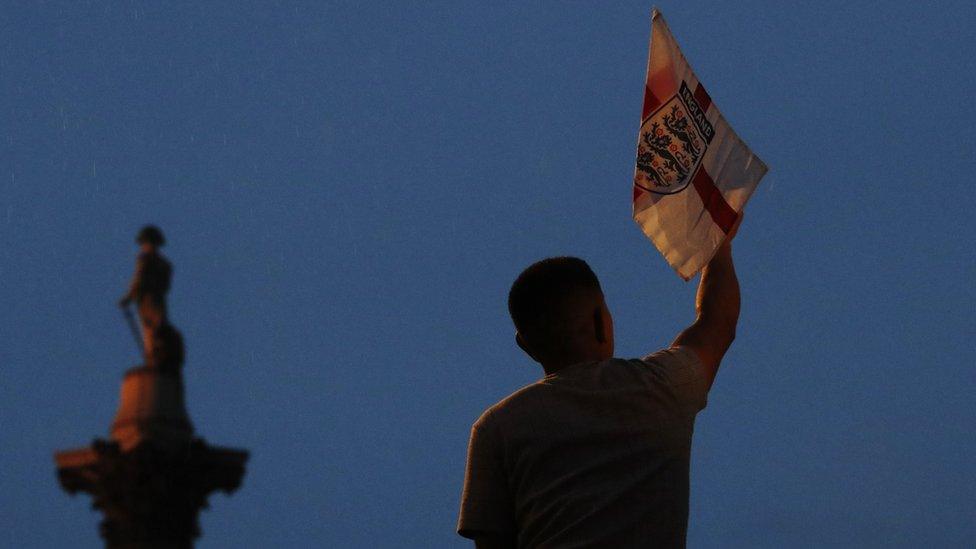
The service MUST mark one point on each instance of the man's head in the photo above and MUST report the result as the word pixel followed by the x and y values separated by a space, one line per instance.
pixel 559 313
pixel 150 237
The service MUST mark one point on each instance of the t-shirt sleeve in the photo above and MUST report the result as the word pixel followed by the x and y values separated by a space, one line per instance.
pixel 486 505
pixel 682 370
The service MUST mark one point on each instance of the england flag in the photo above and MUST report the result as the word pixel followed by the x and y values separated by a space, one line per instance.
pixel 694 174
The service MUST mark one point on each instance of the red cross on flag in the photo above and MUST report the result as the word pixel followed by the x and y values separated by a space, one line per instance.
pixel 693 172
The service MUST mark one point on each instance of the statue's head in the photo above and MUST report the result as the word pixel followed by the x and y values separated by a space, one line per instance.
pixel 150 234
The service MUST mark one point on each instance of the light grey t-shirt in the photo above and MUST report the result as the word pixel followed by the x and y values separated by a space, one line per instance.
pixel 595 455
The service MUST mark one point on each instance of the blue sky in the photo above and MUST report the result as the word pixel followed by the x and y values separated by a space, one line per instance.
pixel 349 188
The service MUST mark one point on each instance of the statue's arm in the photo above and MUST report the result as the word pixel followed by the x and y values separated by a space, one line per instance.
pixel 135 284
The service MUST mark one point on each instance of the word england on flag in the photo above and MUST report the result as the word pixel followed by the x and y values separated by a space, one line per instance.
pixel 694 175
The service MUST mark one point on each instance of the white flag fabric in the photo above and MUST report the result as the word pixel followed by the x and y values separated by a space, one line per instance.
pixel 694 174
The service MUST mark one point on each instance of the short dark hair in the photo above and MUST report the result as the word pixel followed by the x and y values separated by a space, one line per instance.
pixel 542 294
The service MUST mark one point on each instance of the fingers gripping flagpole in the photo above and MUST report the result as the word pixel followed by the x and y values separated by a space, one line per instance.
pixel 131 321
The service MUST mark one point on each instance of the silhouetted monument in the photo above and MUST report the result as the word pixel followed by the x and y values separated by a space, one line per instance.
pixel 152 476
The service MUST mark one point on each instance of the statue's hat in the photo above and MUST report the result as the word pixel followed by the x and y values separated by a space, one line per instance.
pixel 152 235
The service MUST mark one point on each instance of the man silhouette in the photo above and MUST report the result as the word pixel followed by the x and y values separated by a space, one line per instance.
pixel 596 453
pixel 149 285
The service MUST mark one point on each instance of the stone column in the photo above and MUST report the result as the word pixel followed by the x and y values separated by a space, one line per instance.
pixel 152 476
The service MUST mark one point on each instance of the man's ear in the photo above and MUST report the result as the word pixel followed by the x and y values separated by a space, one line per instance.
pixel 598 327
pixel 525 347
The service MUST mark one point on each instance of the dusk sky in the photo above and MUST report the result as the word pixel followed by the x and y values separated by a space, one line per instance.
pixel 349 188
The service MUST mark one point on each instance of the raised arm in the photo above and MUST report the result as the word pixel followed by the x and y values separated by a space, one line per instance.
pixel 717 307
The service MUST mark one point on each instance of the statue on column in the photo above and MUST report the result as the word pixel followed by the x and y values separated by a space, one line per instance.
pixel 152 476
pixel 162 344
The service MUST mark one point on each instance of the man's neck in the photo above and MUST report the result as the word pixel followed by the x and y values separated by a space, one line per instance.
pixel 555 366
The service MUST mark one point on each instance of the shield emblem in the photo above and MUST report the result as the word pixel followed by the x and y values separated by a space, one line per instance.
pixel 672 143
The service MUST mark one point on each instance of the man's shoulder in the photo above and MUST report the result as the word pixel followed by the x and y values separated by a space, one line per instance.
pixel 530 398
pixel 677 364
pixel 514 404
pixel 674 367
pixel 679 354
